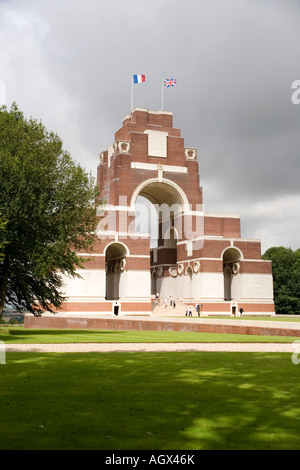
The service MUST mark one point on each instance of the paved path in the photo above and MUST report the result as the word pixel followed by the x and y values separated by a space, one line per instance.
pixel 161 347
pixel 155 347
pixel 224 321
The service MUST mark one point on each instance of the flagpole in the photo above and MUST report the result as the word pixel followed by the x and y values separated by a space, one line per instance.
pixel 162 95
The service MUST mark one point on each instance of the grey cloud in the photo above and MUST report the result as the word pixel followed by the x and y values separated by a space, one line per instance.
pixel 234 61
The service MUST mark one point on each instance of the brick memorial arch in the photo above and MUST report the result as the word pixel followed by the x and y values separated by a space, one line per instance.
pixel 199 257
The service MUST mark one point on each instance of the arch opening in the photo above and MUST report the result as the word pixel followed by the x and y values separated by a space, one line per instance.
pixel 160 191
pixel 115 262
pixel 231 266
pixel 159 206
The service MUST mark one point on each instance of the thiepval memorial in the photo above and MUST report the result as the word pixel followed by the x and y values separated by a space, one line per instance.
pixel 195 257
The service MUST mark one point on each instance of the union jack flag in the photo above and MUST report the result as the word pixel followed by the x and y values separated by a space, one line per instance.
pixel 169 82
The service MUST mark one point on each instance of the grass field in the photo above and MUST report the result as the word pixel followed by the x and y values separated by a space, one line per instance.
pixel 147 401
pixel 155 401
pixel 11 335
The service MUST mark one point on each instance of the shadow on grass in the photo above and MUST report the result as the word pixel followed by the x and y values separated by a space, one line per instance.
pixel 20 335
pixel 53 332
pixel 150 401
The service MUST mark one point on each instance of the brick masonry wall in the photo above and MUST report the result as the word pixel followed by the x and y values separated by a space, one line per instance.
pixel 222 226
pixel 153 325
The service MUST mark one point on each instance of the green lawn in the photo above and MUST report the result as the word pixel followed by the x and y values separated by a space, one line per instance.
pixel 12 335
pixel 155 401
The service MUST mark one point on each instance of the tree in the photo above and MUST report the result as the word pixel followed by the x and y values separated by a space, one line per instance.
pixel 48 201
pixel 3 241
pixel 286 278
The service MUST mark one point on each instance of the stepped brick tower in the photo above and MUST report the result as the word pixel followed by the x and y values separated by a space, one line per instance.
pixel 199 257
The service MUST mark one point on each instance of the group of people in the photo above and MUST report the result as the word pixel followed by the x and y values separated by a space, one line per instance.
pixel 189 312
pixel 172 302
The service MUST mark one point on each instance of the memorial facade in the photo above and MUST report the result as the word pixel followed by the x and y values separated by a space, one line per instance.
pixel 197 257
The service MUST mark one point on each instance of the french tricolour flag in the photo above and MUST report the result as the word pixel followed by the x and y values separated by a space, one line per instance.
pixel 139 78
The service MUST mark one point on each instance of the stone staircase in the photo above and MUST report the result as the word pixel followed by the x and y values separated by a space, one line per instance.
pixel 179 311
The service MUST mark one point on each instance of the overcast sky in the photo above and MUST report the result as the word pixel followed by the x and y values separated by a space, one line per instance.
pixel 70 63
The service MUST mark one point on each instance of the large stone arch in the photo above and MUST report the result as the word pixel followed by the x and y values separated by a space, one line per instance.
pixel 161 191
pixel 169 200
pixel 170 203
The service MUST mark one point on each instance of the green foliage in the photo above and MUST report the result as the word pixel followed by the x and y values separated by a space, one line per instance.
pixel 286 277
pixel 48 201
pixel 3 240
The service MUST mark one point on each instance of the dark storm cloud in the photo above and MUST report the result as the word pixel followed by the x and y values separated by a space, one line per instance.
pixel 70 63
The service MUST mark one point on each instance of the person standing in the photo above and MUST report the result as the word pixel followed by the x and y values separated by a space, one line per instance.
pixel 199 309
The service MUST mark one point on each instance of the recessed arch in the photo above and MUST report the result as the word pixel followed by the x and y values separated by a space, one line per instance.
pixel 116 248
pixel 115 254
pixel 231 258
pixel 160 192
pixel 169 203
pixel 232 254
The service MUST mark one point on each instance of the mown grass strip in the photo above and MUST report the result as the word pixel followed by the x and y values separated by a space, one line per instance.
pixel 15 335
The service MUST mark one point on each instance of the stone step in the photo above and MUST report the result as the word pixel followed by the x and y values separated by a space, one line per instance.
pixel 179 310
